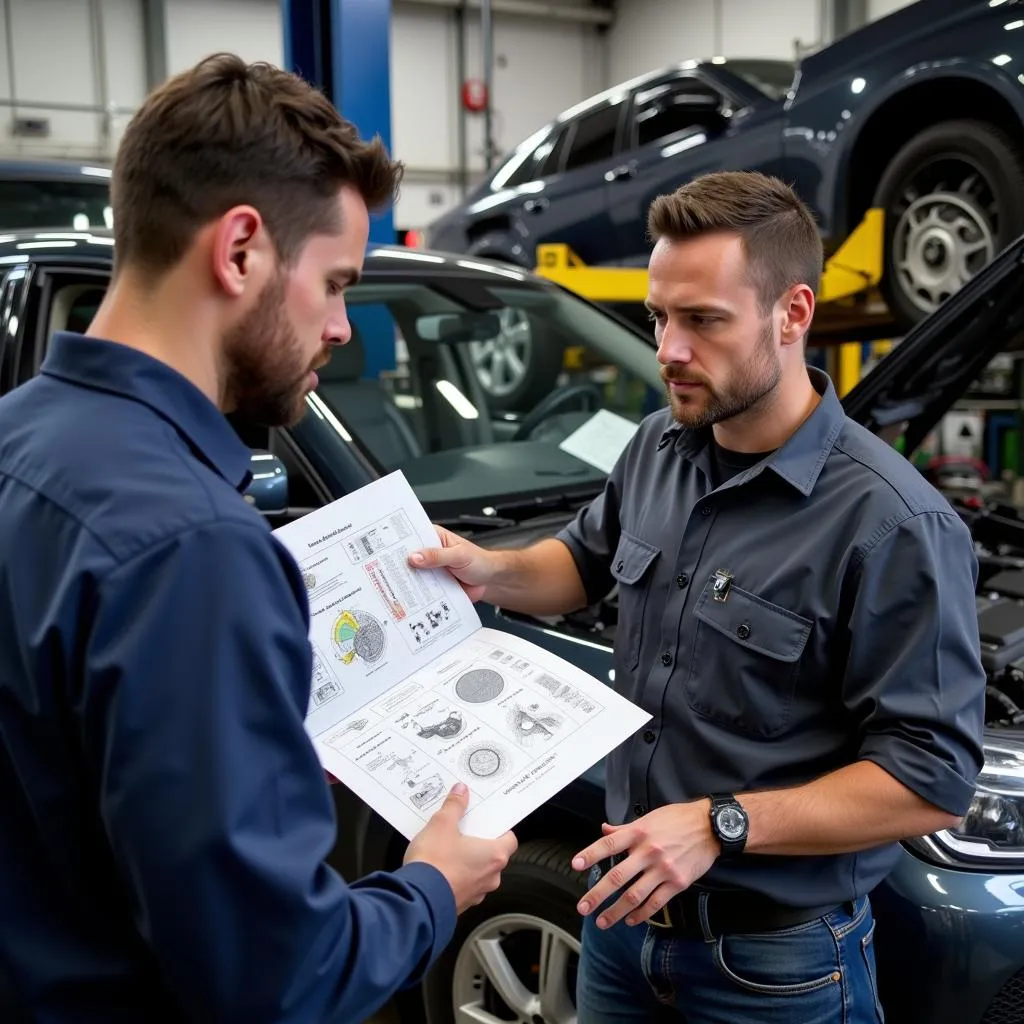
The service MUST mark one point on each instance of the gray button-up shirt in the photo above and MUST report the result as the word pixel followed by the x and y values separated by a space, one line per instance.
pixel 815 609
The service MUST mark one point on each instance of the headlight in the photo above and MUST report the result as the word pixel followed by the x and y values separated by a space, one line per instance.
pixel 993 827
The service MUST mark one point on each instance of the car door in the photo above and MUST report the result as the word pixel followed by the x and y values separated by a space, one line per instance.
pixel 679 127
pixel 568 201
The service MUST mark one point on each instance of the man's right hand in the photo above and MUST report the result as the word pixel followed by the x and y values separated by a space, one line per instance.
pixel 472 866
pixel 470 564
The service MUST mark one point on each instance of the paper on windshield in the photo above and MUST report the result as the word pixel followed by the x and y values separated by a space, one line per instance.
pixel 600 441
pixel 410 693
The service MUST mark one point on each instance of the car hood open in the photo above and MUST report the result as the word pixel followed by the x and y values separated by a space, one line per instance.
pixel 913 387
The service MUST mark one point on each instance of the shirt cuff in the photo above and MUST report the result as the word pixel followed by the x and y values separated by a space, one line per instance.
pixel 921 772
pixel 440 899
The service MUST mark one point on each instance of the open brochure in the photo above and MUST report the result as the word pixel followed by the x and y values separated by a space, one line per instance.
pixel 411 694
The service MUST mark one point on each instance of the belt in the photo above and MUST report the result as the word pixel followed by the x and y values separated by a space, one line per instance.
pixel 702 913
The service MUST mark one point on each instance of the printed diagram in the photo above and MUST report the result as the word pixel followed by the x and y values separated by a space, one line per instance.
pixel 566 694
pixel 479 685
pixel 426 788
pixel 357 725
pixel 358 634
pixel 485 761
pixel 309 581
pixel 430 621
pixel 383 534
pixel 530 724
pixel 325 686
pixel 445 728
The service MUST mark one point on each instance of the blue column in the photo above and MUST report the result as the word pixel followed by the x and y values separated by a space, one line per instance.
pixel 343 48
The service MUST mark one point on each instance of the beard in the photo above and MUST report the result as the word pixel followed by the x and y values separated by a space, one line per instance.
pixel 267 374
pixel 746 390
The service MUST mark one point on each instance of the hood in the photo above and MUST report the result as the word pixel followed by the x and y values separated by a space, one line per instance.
pixel 913 387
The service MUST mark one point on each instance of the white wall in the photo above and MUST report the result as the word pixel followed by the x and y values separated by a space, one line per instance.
pixel 53 56
pixel 197 28
pixel 541 68
pixel 880 8
pixel 651 33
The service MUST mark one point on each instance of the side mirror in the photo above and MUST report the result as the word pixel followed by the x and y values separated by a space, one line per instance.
pixel 269 488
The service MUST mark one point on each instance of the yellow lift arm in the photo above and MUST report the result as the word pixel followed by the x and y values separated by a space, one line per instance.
pixel 855 267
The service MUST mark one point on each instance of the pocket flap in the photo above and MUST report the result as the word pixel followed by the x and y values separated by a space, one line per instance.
pixel 632 559
pixel 755 623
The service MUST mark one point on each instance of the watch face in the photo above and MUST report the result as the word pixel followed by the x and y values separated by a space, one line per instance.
pixel 732 822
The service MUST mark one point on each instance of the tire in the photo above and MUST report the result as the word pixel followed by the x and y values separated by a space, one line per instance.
pixel 520 365
pixel 538 889
pixel 953 198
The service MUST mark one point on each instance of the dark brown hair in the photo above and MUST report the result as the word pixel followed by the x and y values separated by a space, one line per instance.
pixel 226 133
pixel 780 238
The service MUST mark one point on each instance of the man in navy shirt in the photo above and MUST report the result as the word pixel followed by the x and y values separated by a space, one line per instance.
pixel 164 821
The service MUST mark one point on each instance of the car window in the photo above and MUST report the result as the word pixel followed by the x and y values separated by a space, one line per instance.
pixel 488 379
pixel 77 205
pixel 594 136
pixel 671 107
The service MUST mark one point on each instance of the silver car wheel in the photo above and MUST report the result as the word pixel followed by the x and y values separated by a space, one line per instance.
pixel 483 971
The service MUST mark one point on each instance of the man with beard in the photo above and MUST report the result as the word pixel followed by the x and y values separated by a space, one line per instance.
pixel 796 612
pixel 165 820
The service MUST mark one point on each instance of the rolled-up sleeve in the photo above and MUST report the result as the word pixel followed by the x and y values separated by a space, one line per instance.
pixel 914 678
pixel 217 810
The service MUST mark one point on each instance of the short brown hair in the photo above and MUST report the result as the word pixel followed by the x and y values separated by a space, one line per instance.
pixel 780 238
pixel 225 133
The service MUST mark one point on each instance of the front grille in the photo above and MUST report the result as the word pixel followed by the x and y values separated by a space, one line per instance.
pixel 1008 1005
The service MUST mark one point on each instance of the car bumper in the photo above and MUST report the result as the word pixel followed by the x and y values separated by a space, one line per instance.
pixel 950 944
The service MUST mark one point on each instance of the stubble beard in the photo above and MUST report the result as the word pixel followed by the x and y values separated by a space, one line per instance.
pixel 263 355
pixel 748 389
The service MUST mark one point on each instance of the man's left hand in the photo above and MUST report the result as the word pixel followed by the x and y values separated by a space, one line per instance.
pixel 668 849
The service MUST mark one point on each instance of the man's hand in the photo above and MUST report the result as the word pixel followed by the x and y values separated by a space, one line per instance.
pixel 669 849
pixel 471 565
pixel 472 866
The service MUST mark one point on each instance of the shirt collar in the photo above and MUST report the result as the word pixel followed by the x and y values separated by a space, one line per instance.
pixel 108 366
pixel 800 460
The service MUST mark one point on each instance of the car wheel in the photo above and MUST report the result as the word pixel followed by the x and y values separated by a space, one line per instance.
pixel 519 365
pixel 953 197
pixel 515 956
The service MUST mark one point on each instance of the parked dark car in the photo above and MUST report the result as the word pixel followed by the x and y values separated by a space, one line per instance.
pixel 57 194
pixel 950 935
pixel 920 113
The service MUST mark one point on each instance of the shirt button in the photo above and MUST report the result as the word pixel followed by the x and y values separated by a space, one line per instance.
pixel 681 580
pixel 619 566
pixel 639 810
pixel 705 510
pixel 666 658
pixel 649 736
pixel 743 631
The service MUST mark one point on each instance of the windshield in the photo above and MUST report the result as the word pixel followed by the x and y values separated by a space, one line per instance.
pixel 500 389
pixel 78 205
pixel 773 77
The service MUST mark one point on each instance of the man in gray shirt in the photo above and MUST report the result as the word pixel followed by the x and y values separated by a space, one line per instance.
pixel 796 613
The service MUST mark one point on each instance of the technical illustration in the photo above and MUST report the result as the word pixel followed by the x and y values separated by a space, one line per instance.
pixel 529 724
pixel 358 634
pixel 479 685
pixel 325 686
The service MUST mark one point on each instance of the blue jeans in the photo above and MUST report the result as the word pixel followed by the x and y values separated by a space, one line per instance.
pixel 822 972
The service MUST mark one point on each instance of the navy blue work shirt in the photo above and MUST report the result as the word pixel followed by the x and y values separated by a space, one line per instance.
pixel 781 617
pixel 164 816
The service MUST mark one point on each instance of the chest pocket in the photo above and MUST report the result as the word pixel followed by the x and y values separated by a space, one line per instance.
pixel 746 659
pixel 631 568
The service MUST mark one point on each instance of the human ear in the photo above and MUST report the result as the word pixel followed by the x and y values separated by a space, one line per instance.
pixel 797 314
pixel 240 250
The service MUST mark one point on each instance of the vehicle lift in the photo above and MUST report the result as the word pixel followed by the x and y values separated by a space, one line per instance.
pixel 848 306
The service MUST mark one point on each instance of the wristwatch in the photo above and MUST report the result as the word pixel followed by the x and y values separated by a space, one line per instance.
pixel 729 823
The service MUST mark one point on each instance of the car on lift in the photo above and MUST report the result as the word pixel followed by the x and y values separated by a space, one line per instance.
pixel 951 914
pixel 920 114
